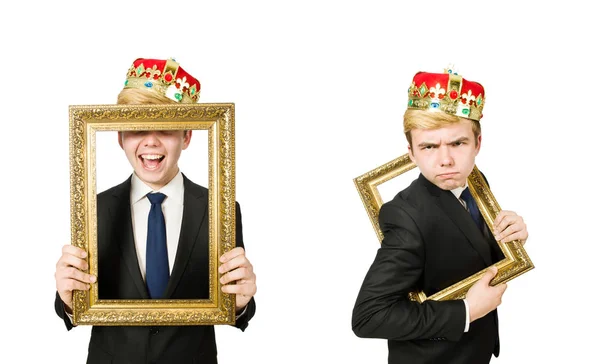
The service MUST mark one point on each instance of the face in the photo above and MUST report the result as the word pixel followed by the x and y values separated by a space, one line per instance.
pixel 445 156
pixel 154 154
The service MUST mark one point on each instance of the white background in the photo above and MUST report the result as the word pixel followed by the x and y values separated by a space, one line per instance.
pixel 319 89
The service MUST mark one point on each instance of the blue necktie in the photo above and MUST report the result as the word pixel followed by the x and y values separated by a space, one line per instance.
pixel 157 259
pixel 472 207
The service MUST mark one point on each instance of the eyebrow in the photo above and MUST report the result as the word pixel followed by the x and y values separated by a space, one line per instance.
pixel 428 144
pixel 461 139
pixel 432 144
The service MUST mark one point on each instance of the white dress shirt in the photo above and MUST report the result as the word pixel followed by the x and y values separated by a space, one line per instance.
pixel 457 192
pixel 172 208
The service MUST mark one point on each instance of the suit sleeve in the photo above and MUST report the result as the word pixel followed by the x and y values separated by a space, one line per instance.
pixel 242 321
pixel 382 309
pixel 59 307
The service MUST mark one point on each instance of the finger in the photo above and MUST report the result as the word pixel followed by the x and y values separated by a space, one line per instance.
pixel 240 289
pixel 75 274
pixel 73 250
pixel 232 254
pixel 489 274
pixel 517 230
pixel 511 229
pixel 71 284
pixel 506 222
pixel 236 262
pixel 238 274
pixel 502 215
pixel 499 218
pixel 68 260
pixel 519 235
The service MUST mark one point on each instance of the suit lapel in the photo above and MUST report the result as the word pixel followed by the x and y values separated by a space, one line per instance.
pixel 120 213
pixel 194 211
pixel 461 218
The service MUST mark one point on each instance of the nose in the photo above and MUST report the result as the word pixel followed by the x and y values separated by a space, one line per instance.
pixel 446 159
pixel 151 139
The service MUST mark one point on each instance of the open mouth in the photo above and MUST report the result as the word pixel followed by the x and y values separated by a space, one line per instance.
pixel 151 161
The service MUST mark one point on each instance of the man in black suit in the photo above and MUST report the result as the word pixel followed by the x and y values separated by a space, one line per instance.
pixel 431 241
pixel 124 212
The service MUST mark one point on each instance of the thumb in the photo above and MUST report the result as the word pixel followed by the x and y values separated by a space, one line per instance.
pixel 489 274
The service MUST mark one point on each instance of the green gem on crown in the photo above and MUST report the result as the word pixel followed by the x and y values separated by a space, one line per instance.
pixel 178 96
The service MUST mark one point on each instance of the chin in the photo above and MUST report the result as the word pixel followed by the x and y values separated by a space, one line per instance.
pixel 449 185
pixel 148 177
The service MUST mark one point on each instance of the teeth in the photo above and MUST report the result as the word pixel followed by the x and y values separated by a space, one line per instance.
pixel 152 156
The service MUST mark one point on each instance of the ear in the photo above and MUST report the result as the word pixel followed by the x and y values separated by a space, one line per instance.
pixel 187 137
pixel 410 154
pixel 478 144
pixel 120 136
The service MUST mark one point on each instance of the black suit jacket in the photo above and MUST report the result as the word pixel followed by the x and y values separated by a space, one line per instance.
pixel 119 277
pixel 430 242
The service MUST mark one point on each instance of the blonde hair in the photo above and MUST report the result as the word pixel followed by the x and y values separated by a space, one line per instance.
pixel 136 96
pixel 424 119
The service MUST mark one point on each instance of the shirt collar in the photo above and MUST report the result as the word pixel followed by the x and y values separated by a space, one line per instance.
pixel 459 190
pixel 173 190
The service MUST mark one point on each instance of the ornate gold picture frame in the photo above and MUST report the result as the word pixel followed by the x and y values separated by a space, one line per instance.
pixel 516 261
pixel 218 121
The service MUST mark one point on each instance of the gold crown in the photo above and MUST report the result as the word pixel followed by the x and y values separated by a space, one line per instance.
pixel 447 92
pixel 165 77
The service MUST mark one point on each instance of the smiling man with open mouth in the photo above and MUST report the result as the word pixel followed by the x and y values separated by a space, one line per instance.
pixel 154 154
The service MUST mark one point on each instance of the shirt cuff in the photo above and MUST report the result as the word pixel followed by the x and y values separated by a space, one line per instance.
pixel 468 319
pixel 242 313
pixel 68 314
